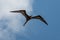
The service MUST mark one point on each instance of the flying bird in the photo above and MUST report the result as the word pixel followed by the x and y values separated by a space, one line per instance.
pixel 23 12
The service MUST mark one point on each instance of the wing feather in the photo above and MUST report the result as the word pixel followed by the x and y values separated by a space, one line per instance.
pixel 41 18
pixel 23 12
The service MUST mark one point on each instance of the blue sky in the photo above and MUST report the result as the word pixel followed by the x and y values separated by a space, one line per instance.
pixel 34 29
pixel 50 10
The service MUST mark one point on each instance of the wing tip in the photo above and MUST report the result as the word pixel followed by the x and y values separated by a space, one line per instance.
pixel 47 24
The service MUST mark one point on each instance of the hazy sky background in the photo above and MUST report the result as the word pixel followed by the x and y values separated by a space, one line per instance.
pixel 11 25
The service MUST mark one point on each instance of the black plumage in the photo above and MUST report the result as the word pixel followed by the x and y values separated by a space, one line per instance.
pixel 23 12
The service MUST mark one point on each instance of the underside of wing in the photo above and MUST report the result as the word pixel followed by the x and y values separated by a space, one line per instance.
pixel 41 18
pixel 23 12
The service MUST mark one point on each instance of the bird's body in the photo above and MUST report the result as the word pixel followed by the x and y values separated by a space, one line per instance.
pixel 23 12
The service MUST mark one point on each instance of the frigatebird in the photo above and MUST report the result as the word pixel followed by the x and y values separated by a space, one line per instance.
pixel 23 12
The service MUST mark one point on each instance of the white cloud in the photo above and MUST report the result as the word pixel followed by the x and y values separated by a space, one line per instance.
pixel 10 22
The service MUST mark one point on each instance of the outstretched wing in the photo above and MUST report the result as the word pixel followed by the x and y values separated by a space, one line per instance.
pixel 41 18
pixel 23 12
